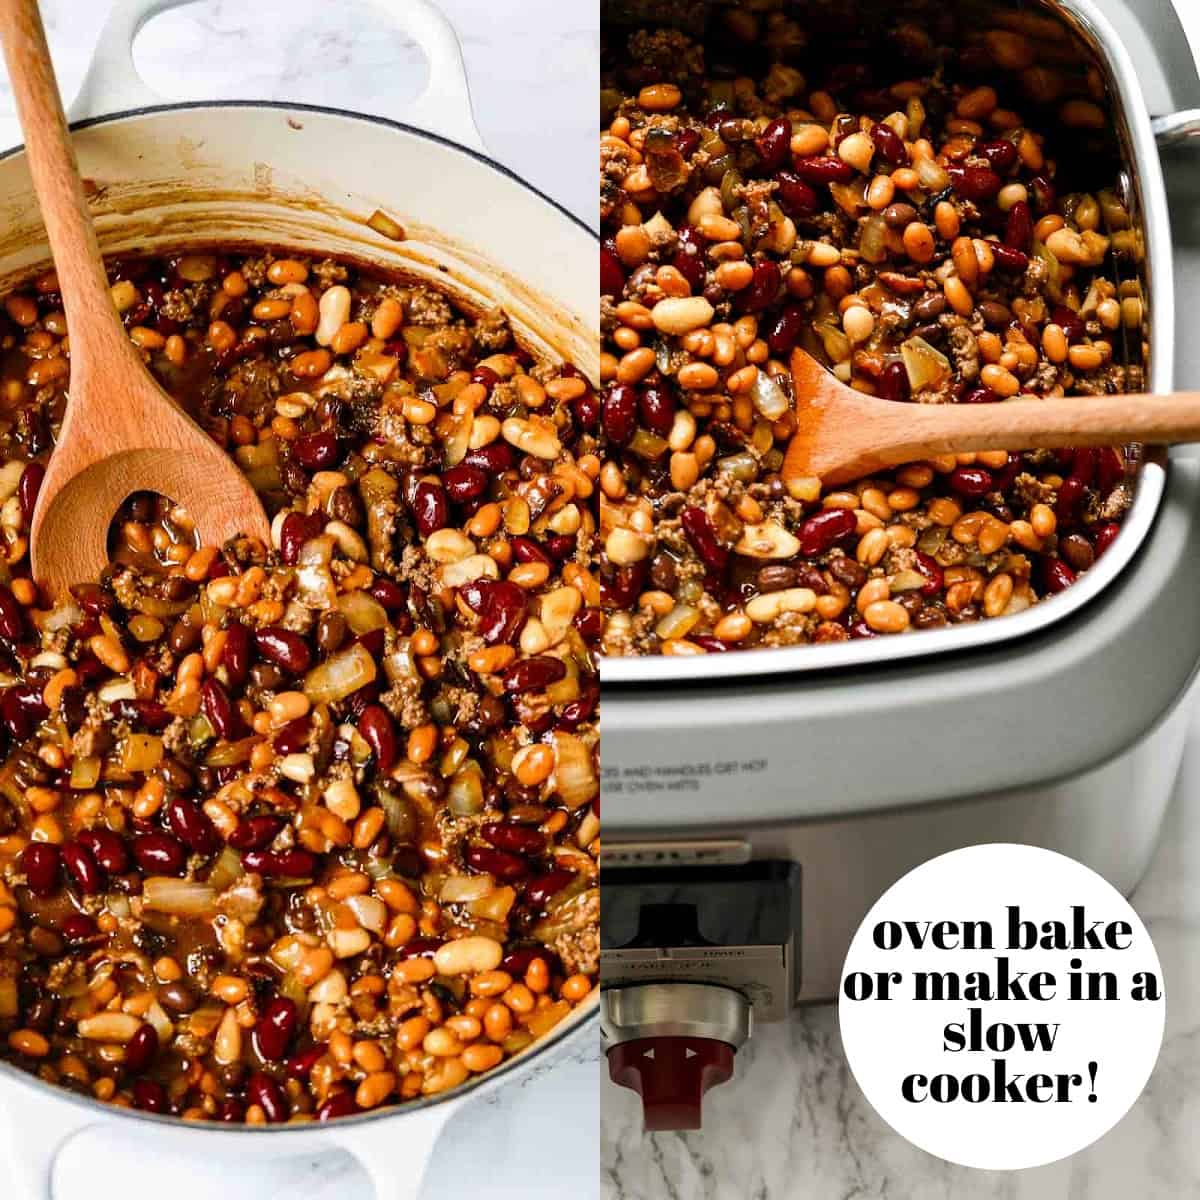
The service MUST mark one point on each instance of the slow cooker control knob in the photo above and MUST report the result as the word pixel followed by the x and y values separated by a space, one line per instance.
pixel 671 1042
pixel 671 1074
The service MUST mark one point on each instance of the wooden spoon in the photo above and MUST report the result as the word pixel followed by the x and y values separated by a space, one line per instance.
pixel 843 434
pixel 122 433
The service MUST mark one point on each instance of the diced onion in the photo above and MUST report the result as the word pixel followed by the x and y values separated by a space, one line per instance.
pixel 363 613
pixel 769 398
pixel 459 889
pixel 341 675
pixel 926 366
pixel 575 778
pixel 182 896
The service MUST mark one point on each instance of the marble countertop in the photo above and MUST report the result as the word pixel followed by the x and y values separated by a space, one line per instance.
pixel 793 1123
pixel 533 65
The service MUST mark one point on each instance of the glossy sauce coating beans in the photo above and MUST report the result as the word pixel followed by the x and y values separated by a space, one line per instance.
pixel 934 215
pixel 290 832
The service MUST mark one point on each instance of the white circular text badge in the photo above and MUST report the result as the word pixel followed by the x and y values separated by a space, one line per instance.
pixel 1002 1006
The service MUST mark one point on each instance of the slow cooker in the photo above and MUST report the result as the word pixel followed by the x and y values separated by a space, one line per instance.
pixel 758 803
pixel 245 172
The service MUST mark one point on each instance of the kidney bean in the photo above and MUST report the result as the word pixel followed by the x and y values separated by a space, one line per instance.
pixel 494 458
pixel 40 862
pixel 526 550
pixel 817 169
pixel 979 395
pixel 340 1104
pixel 1071 322
pixel 1044 193
pixel 703 536
pixel 1110 469
pixel 235 655
pixel 1056 575
pixel 519 839
pixel 429 508
pixel 823 530
pixel 889 145
pixel 534 674
pixel 275 1029
pixel 574 714
pixel 929 567
pixel 268 1095
pixel 516 962
pixel 970 481
pixel 689 258
pixel 293 737
pixel 297 528
pixel 975 183
pixel 285 648
pixel 893 383
pixel 274 864
pixel 764 287
pixel 465 483
pixel 485 377
pixel 107 849
pixel 1105 536
pixel 22 710
pixel 29 487
pixel 149 1095
pixel 233 1111
pixel 12 619
pixel 141 1050
pixel 376 728
pixel 255 833
pixel 1083 464
pixel 1001 154
pixel 317 451
pixel 619 414
pixel 1077 550
pixel 785 328
pixel 420 947
pixel 774 142
pixel 390 594
pixel 300 1065
pixel 612 274
pixel 83 868
pixel 795 197
pixel 586 408
pixel 501 608
pixel 1018 229
pixel 79 927
pixel 500 863
pixel 1003 479
pixel 189 824
pixel 541 887
pixel 656 408
pixel 1008 259
pixel 220 711
pixel 1069 496
pixel 159 854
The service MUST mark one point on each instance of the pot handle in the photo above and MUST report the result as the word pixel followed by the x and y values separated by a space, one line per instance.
pixel 112 83
pixel 1177 129
pixel 394 1152
pixel 35 1130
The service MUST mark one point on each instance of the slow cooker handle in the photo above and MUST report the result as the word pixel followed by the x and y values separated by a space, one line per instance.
pixel 112 83
pixel 395 1150
pixel 1177 129
pixel 37 1127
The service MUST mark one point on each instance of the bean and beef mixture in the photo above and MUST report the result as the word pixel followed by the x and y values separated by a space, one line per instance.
pixel 934 214
pixel 291 832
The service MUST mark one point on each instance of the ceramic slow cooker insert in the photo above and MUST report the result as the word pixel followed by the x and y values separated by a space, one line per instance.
pixel 310 179
pixel 799 783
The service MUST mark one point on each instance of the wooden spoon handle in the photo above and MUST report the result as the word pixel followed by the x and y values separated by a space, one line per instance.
pixel 926 430
pixel 56 179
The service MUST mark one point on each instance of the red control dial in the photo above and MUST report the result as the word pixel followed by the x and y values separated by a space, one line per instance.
pixel 671 1074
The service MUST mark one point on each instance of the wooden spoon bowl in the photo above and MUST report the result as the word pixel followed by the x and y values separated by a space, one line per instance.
pixel 122 433
pixel 843 434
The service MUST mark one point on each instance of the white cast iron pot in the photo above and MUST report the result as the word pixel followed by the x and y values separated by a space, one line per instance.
pixel 308 179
